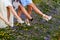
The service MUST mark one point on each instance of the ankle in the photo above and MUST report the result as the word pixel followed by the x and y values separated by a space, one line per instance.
pixel 31 19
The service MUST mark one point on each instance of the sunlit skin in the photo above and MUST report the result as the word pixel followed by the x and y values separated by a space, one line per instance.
pixel 31 7
pixel 6 21
pixel 10 8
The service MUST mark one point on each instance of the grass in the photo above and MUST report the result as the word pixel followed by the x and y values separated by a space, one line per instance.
pixel 39 29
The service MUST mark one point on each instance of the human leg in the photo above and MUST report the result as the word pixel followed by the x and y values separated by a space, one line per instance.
pixel 6 21
pixel 25 12
pixel 46 17
pixel 15 14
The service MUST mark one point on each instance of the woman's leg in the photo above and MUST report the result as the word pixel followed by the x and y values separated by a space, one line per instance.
pixel 24 11
pixel 6 21
pixel 35 9
pixel 29 11
pixel 46 17
pixel 8 13
pixel 15 14
pixel 19 11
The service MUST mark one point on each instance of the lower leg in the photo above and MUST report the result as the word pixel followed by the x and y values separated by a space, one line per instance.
pixel 29 11
pixel 25 12
pixel 6 21
pixel 8 13
pixel 36 9
pixel 19 11
pixel 46 17
pixel 14 13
